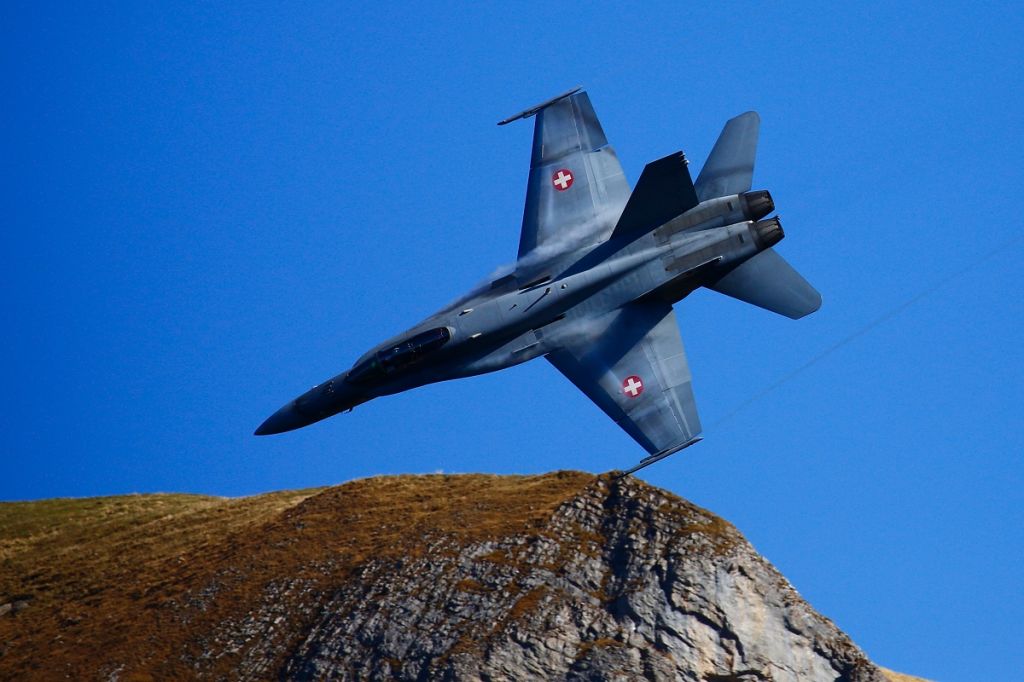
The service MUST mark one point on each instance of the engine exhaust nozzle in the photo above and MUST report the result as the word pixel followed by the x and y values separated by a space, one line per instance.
pixel 768 233
pixel 757 205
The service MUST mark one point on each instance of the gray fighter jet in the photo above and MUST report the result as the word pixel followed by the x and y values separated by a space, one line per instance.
pixel 599 268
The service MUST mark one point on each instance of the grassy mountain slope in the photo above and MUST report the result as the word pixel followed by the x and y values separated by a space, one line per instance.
pixel 133 579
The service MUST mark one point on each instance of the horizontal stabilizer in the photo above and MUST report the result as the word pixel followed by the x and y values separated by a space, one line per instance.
pixel 769 282
pixel 663 192
pixel 730 166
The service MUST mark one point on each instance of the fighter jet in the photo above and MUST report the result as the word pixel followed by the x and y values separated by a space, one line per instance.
pixel 598 270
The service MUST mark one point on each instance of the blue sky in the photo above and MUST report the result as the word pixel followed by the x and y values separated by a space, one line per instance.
pixel 210 209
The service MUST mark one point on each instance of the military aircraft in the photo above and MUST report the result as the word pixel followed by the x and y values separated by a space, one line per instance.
pixel 598 270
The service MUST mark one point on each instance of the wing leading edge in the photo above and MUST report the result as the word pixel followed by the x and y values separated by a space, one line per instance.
pixel 632 364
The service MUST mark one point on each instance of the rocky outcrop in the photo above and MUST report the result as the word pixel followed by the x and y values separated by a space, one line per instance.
pixel 622 582
pixel 565 576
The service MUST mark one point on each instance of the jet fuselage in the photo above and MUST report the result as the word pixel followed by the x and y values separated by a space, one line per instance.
pixel 510 321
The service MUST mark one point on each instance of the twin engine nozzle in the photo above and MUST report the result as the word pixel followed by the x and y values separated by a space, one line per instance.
pixel 757 205
pixel 768 233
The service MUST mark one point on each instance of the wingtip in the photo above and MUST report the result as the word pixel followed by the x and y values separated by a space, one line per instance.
pixel 530 111
pixel 813 303
pixel 752 115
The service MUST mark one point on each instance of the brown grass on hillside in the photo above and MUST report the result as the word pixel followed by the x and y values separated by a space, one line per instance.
pixel 139 579
pixel 110 578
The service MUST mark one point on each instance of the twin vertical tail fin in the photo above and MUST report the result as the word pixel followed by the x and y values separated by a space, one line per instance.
pixel 665 189
pixel 766 280
pixel 663 192
pixel 730 166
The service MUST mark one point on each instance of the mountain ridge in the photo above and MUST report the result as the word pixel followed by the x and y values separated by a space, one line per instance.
pixel 470 576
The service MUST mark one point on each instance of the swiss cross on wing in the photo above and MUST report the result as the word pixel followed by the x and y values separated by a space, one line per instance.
pixel 562 179
pixel 633 386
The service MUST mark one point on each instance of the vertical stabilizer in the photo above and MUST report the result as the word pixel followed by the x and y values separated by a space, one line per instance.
pixel 663 192
pixel 730 166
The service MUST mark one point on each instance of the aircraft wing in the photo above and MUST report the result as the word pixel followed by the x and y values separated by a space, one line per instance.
pixel 576 190
pixel 631 363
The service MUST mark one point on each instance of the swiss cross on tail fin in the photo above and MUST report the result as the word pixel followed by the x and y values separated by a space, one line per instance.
pixel 663 192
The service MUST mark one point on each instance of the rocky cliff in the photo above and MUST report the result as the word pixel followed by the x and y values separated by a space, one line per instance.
pixel 562 576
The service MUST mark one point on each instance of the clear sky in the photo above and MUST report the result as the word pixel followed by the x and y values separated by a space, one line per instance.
pixel 207 210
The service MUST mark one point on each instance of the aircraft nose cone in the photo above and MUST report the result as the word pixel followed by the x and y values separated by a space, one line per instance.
pixel 319 402
pixel 285 419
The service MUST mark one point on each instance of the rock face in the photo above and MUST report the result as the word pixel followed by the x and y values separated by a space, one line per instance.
pixel 564 576
pixel 621 582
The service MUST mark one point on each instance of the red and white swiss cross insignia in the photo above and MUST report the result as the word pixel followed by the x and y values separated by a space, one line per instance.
pixel 633 386
pixel 562 179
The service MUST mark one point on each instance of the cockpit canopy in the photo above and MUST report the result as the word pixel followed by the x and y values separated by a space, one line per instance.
pixel 392 360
